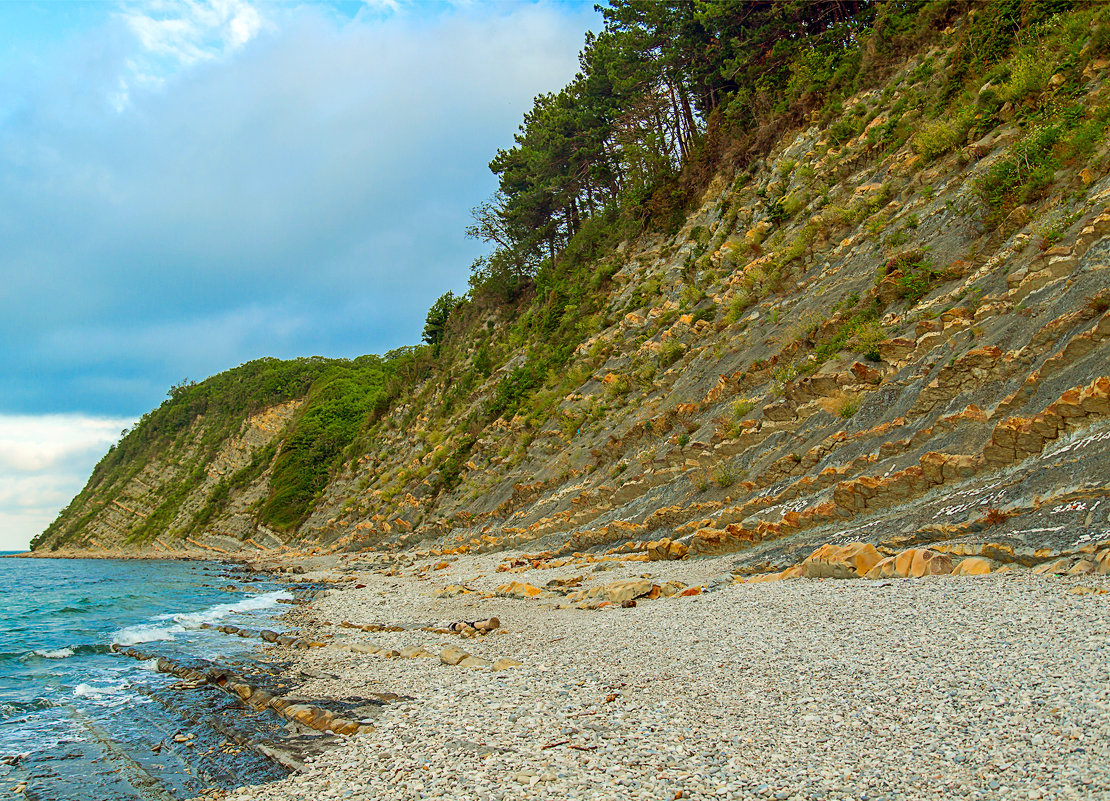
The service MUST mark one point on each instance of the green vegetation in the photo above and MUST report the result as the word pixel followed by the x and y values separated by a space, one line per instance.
pixel 668 92
pixel 914 275
pixel 847 408
pixel 435 323
pixel 339 397
pixel 337 404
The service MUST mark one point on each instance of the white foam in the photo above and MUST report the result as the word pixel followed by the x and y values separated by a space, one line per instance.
pixel 60 653
pixel 254 603
pixel 183 621
pixel 88 691
pixel 133 635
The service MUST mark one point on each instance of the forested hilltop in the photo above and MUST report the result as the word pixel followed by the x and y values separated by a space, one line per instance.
pixel 763 273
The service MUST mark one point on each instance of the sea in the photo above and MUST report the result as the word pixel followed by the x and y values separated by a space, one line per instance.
pixel 81 723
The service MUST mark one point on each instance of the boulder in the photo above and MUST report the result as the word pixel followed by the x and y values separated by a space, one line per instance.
pixel 1059 567
pixel 452 655
pixel 1102 562
pixel 930 563
pixel 665 549
pixel 853 560
pixel 780 412
pixel 897 350
pixel 504 663
pixel 620 591
pixel 903 562
pixel 520 589
pixel 883 569
pixel 973 566
pixel 674 587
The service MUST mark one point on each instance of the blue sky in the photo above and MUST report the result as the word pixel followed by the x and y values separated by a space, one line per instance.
pixel 186 185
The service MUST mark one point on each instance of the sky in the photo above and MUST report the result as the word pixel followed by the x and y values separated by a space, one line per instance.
pixel 186 185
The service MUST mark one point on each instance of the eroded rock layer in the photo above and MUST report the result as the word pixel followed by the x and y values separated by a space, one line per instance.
pixel 884 363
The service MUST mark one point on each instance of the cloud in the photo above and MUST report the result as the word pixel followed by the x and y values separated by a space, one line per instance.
pixel 289 182
pixel 31 444
pixel 44 462
pixel 177 33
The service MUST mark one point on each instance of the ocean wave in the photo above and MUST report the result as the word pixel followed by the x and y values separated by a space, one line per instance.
pixel 134 635
pixel 63 652
pixel 255 603
pixel 104 696
pixel 10 709
pixel 167 627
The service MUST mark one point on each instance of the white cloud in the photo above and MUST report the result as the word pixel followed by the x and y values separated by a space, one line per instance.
pixel 32 443
pixel 174 34
pixel 389 6
pixel 44 462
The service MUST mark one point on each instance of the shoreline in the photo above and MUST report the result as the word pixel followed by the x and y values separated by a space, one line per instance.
pixel 803 689
pixel 127 556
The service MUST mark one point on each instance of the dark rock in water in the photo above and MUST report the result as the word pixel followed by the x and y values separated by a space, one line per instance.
pixel 260 692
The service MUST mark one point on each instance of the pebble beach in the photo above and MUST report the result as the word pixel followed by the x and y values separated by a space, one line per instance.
pixel 941 687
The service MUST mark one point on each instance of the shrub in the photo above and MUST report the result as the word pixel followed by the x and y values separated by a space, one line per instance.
pixel 670 353
pixel 619 387
pixel 847 408
pixel 724 476
pixel 741 408
pixel 1028 76
pixel 866 339
pixel 1100 302
pixel 1023 175
pixel 936 138
pixel 915 275
pixel 741 303
pixel 708 313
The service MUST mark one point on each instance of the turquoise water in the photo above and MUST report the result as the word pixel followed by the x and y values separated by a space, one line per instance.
pixel 79 723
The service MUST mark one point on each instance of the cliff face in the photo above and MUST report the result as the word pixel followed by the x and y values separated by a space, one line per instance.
pixel 887 330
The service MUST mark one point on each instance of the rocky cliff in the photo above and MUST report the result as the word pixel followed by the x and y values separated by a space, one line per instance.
pixel 891 328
